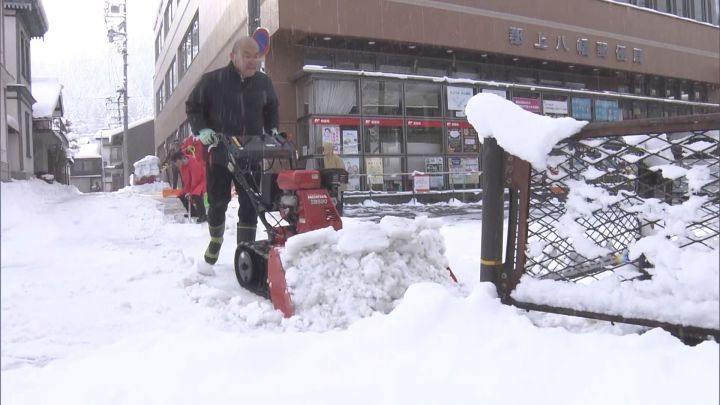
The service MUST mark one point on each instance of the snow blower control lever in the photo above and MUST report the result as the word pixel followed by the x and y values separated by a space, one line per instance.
pixel 288 203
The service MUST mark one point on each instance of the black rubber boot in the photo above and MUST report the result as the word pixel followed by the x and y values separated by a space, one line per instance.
pixel 216 239
pixel 199 208
pixel 246 233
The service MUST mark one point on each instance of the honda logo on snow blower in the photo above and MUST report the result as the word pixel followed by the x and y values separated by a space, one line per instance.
pixel 317 199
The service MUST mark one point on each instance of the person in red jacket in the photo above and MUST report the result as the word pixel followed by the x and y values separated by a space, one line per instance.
pixel 191 164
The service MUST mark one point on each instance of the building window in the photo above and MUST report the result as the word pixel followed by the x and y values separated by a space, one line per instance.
pixel 335 96
pixel 189 46
pixel 158 44
pixel 381 97
pixel 167 18
pixel 159 99
pixel 24 56
pixel 28 136
pixel 422 99
pixel 424 140
pixel 380 173
pixel 383 136
pixel 170 81
pixel 115 154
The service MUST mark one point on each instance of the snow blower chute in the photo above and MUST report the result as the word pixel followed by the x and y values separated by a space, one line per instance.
pixel 304 200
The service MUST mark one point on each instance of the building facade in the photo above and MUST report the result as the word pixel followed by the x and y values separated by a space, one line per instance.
pixel 140 144
pixel 386 81
pixel 50 143
pixel 22 21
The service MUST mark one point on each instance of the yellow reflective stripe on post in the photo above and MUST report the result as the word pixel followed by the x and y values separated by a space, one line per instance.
pixel 487 262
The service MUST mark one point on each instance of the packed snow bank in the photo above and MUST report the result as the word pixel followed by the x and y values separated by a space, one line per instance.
pixel 526 135
pixel 338 277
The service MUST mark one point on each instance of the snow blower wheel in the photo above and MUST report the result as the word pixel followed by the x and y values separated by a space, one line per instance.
pixel 251 270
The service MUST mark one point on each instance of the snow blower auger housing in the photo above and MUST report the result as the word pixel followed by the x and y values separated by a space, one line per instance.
pixel 302 199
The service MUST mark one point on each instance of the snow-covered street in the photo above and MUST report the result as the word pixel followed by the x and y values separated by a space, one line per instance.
pixel 102 304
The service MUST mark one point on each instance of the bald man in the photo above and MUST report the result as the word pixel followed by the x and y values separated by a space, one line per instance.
pixel 235 100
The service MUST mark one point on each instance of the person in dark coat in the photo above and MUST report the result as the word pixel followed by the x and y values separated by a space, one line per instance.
pixel 238 101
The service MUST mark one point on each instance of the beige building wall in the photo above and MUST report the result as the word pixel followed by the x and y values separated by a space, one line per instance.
pixel 484 26
pixel 219 24
pixel 473 26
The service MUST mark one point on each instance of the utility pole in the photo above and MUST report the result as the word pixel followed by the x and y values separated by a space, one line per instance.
pixel 116 22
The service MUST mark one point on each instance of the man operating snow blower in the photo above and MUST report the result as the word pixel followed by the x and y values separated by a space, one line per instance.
pixel 235 100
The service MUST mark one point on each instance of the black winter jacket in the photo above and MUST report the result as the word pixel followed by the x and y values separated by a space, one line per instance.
pixel 232 105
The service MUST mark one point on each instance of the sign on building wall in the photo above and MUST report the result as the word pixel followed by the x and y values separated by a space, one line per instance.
pixel 585 47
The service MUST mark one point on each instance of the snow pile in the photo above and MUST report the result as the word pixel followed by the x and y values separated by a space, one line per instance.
pixel 147 166
pixel 524 134
pixel 15 211
pixel 338 277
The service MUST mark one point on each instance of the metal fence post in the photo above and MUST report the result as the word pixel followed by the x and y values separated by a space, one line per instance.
pixel 492 211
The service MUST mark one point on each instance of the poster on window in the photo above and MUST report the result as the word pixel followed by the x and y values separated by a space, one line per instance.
pixel 456 169
pixel 499 93
pixel 528 104
pixel 350 142
pixel 421 183
pixel 472 173
pixel 470 141
pixel 434 165
pixel 352 165
pixel 607 110
pixel 331 134
pixel 555 107
pixel 582 108
pixel 458 97
pixel 374 169
pixel 454 140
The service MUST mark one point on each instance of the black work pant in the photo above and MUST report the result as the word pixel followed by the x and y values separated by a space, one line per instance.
pixel 219 180
pixel 197 209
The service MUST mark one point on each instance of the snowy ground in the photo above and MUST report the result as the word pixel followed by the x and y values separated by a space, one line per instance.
pixel 101 304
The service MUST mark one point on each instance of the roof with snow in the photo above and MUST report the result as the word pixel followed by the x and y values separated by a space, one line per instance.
pixel 48 95
pixel 109 133
pixel 88 151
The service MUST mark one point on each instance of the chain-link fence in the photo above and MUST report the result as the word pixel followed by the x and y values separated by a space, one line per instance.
pixel 605 219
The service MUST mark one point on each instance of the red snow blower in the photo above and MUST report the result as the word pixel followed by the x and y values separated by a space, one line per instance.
pixel 296 200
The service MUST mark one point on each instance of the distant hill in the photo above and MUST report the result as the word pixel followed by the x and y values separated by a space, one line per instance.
pixel 76 51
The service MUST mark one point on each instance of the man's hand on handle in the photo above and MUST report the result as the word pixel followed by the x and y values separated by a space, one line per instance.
pixel 206 136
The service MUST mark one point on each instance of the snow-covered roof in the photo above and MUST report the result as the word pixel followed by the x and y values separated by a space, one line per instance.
pixel 88 151
pixel 109 133
pixel 47 92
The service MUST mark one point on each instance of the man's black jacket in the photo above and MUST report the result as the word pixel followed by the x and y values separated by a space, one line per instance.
pixel 232 105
